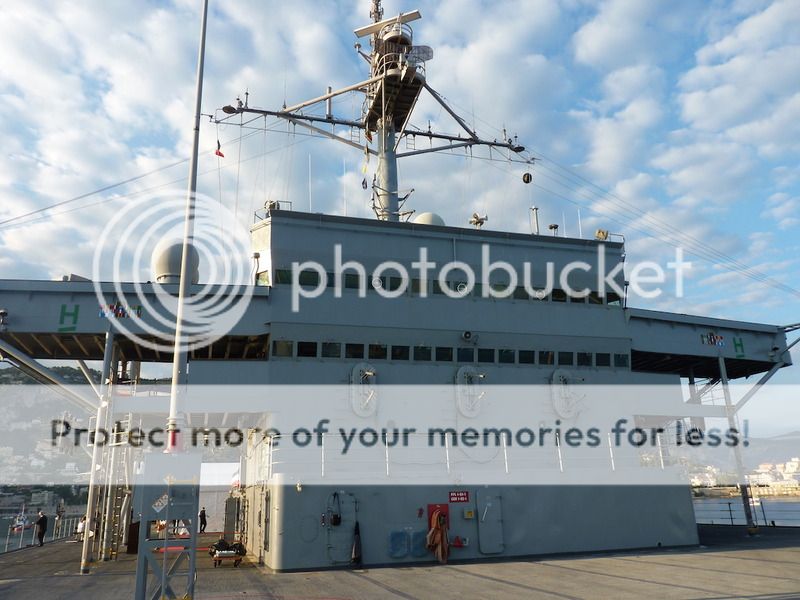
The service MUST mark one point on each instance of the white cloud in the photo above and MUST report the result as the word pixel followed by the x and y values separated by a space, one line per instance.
pixel 777 133
pixel 772 25
pixel 784 209
pixel 617 36
pixel 626 84
pixel 706 171
pixel 618 139
pixel 761 243
pixel 745 84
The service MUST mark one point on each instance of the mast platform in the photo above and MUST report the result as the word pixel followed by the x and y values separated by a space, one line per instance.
pixel 395 95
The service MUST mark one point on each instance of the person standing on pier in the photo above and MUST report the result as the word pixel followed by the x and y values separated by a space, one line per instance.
pixel 41 527
pixel 203 521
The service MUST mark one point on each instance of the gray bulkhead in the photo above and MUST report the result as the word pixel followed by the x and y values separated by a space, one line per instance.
pixel 291 529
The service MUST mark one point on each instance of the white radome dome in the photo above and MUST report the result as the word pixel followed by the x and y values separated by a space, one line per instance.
pixel 165 262
pixel 429 218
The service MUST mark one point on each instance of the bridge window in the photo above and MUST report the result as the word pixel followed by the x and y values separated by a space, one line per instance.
pixel 422 353
pixel 444 354
pixel 307 349
pixel 506 356
pixel 527 357
pixel 352 281
pixel 565 359
pixel 331 350
pixel 282 348
pixel 309 278
pixel 400 353
pixel 416 287
pixel 466 354
pixel 621 360
pixel 584 359
pixel 394 283
pixel 546 357
pixel 283 276
pixel 594 298
pixel 354 350
pixel 521 294
pixel 486 355
pixel 602 359
pixel 559 295
pixel 377 351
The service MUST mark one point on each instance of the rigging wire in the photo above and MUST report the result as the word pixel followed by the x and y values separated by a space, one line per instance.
pixel 663 230
pixel 658 224
pixel 693 249
pixel 219 181
pixel 570 180
pixel 93 192
pixel 238 168
pixel 138 192
pixel 668 234
pixel 261 168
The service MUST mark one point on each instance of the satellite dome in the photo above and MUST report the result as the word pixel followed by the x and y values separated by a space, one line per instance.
pixel 429 218
pixel 166 262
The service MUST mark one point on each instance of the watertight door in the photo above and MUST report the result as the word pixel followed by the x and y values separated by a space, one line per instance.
pixel 340 536
pixel 490 522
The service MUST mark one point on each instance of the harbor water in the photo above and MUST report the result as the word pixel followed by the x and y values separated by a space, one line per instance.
pixel 766 511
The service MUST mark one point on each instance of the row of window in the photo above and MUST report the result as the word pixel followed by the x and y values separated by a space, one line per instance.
pixel 286 348
pixel 352 281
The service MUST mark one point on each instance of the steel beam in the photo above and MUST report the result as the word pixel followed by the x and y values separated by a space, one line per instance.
pixel 32 367
pixel 737 451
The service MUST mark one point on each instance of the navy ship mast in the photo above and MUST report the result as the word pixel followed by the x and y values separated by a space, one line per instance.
pixel 397 78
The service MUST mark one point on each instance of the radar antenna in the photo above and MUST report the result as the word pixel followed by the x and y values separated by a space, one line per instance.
pixel 397 78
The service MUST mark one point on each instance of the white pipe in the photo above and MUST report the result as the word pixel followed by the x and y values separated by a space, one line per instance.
pixel 180 362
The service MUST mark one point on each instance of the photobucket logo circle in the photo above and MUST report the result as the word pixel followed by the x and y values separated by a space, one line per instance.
pixel 146 312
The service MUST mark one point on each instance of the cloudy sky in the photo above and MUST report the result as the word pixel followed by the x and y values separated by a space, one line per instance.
pixel 675 123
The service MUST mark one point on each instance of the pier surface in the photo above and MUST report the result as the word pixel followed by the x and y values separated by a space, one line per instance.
pixel 728 564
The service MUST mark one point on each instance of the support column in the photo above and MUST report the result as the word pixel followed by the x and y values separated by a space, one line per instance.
pixel 388 209
pixel 102 410
pixel 737 451
pixel 697 422
pixel 108 516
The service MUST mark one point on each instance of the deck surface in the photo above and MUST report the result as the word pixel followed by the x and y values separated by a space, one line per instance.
pixel 727 565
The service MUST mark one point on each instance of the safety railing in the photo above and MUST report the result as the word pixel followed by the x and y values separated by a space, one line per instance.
pixel 377 455
pixel 270 205
pixel 730 511
pixel 23 536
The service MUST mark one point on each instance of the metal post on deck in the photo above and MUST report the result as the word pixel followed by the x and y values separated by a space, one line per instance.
pixel 102 407
pixel 108 520
pixel 737 451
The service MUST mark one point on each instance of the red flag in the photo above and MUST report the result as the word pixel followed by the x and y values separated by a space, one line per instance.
pixel 219 151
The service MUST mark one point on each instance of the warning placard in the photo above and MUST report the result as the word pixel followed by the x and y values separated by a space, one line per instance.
pixel 159 504
pixel 459 496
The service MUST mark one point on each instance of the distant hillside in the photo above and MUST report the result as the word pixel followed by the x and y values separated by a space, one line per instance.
pixel 777 449
pixel 72 375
